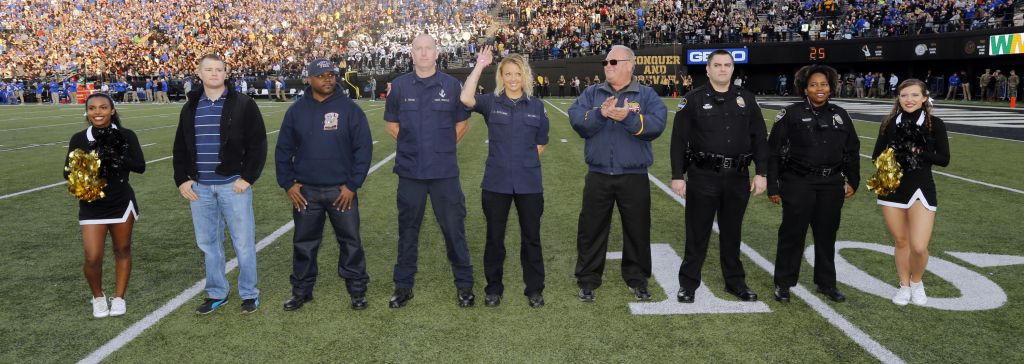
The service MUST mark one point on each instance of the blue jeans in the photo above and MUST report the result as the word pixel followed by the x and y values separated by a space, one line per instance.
pixel 216 205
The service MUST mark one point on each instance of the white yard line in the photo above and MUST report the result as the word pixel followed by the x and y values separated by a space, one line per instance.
pixel 983 183
pixel 61 183
pixel 39 126
pixel 138 327
pixel 860 337
pixel 40 188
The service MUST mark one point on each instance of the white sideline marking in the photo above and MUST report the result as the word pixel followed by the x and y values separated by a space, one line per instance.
pixel 146 145
pixel 563 140
pixel 848 328
pixel 61 183
pixel 38 126
pixel 138 327
pixel 988 260
pixel 950 175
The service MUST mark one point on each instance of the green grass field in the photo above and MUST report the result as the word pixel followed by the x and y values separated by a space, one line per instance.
pixel 44 315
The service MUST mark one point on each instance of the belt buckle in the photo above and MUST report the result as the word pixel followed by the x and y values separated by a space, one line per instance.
pixel 728 163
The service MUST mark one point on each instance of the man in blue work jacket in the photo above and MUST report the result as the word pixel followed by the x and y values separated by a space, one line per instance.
pixel 322 158
pixel 618 118
pixel 425 117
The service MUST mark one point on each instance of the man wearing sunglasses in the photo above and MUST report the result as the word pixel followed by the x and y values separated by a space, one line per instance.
pixel 618 119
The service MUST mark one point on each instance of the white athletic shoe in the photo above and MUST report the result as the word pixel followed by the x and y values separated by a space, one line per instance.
pixel 917 295
pixel 117 307
pixel 99 307
pixel 902 297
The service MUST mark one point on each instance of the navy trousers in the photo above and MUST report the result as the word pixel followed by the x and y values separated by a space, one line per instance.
pixel 450 210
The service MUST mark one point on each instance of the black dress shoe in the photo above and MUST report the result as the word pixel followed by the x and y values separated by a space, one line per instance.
pixel 466 297
pixel 744 293
pixel 641 293
pixel 782 294
pixel 587 295
pixel 536 300
pixel 296 302
pixel 400 297
pixel 492 300
pixel 359 302
pixel 684 296
pixel 832 294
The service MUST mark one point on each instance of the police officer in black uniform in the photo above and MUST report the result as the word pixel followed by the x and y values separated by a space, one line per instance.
pixel 718 131
pixel 813 165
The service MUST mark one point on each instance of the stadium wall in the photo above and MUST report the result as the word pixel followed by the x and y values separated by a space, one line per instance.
pixel 906 56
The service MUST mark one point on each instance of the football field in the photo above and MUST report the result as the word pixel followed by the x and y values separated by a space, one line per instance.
pixel 974 280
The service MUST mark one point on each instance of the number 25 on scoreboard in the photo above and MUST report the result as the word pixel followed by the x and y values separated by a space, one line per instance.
pixel 816 54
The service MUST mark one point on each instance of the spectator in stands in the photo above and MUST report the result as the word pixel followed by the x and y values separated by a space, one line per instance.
pixel 954 86
pixel 966 85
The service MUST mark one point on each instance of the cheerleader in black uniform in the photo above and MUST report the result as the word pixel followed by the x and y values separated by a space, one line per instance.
pixel 120 153
pixel 919 140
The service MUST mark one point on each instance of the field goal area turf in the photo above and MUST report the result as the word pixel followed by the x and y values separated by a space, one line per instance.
pixel 974 312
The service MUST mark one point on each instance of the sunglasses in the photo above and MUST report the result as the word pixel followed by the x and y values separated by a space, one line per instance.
pixel 614 62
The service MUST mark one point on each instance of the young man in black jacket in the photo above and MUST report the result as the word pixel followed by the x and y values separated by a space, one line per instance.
pixel 219 151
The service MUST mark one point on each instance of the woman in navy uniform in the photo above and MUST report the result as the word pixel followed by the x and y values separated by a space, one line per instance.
pixel 119 153
pixel 813 165
pixel 919 140
pixel 517 131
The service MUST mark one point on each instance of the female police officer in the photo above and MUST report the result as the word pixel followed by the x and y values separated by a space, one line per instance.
pixel 517 131
pixel 814 164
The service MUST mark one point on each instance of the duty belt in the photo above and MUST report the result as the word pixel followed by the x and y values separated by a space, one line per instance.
pixel 809 170
pixel 718 162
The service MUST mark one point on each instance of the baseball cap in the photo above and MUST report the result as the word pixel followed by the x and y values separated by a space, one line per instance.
pixel 320 66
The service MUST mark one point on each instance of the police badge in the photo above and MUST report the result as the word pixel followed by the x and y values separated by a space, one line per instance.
pixel 780 115
pixel 740 102
pixel 837 120
pixel 331 121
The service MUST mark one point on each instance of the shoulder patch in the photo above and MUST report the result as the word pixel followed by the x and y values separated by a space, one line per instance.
pixel 682 104
pixel 780 115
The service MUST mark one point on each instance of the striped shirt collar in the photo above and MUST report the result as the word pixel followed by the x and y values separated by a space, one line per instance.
pixel 222 96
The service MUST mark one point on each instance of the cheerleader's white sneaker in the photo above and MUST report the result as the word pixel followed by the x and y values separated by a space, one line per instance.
pixel 117 307
pixel 917 295
pixel 902 297
pixel 99 307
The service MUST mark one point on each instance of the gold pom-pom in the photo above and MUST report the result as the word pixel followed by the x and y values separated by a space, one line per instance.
pixel 84 181
pixel 887 179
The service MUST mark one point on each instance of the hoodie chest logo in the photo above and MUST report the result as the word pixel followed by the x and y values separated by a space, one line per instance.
pixel 442 94
pixel 331 121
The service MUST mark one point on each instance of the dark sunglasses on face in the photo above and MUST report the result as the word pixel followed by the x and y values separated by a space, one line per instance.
pixel 613 62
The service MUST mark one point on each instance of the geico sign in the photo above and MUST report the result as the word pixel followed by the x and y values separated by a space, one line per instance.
pixel 700 56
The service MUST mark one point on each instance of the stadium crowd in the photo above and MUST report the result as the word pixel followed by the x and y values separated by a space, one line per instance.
pixel 117 39
pixel 556 29
pixel 120 38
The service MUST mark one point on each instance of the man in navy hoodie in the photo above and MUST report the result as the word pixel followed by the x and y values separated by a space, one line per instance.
pixel 322 158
